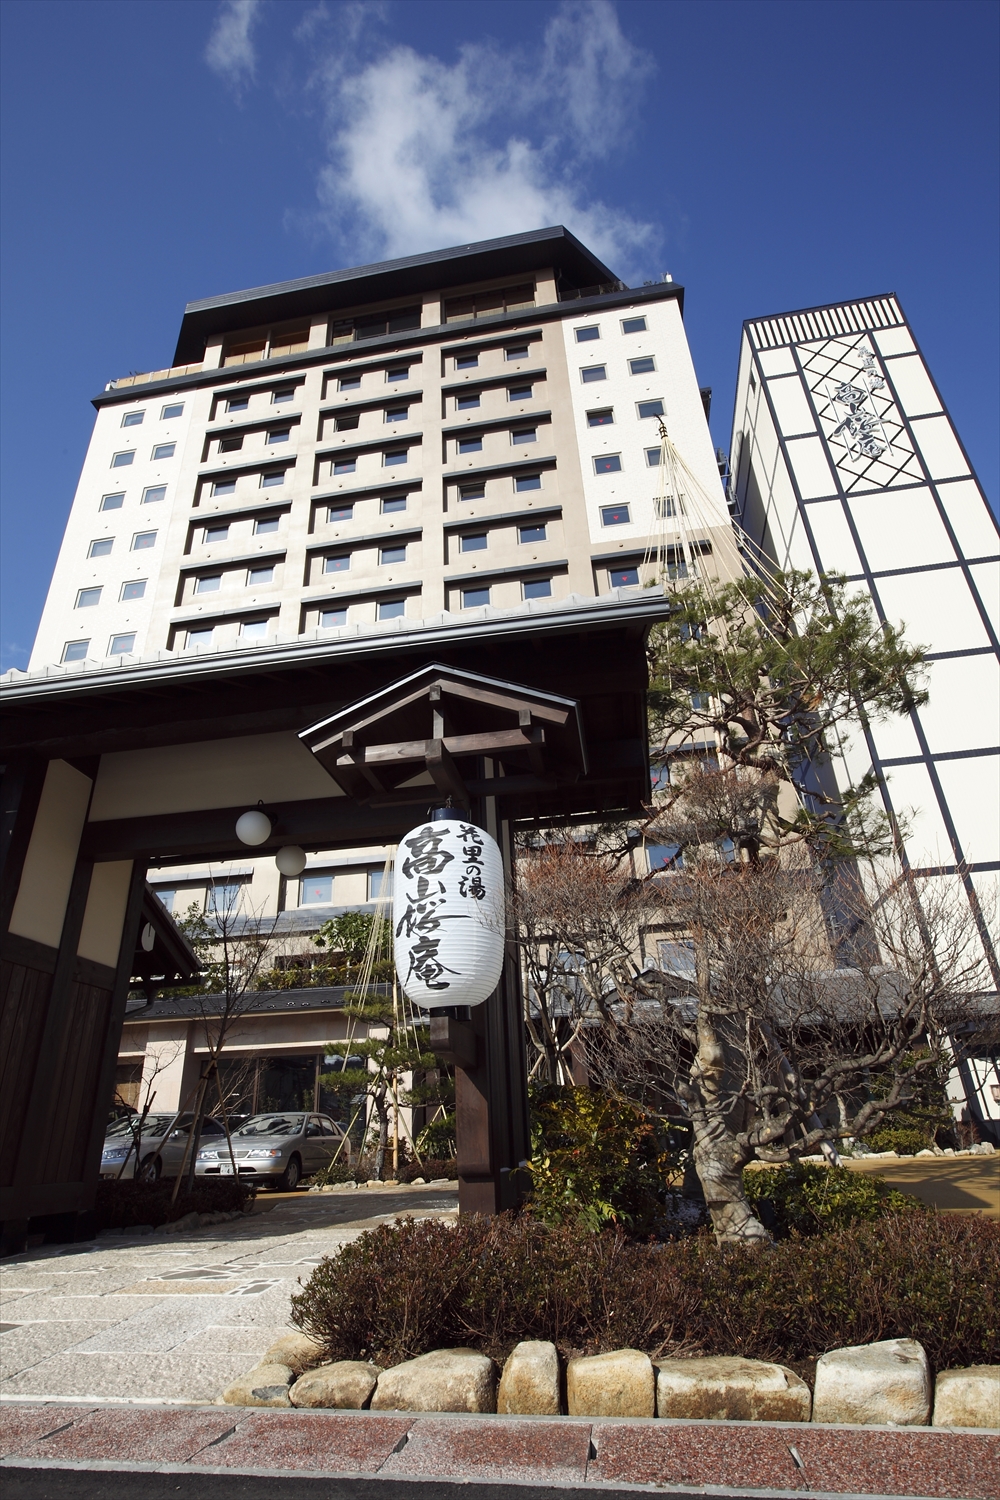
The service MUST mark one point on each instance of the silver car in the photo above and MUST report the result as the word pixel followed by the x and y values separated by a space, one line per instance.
pixel 278 1149
pixel 160 1147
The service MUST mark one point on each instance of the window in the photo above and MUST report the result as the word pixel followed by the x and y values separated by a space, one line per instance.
pixel 466 403
pixel 284 393
pixel 339 564
pixel 653 457
pixel 519 392
pixel 113 502
pixel 257 576
pixel 608 463
pixel 231 444
pixel 238 403
pixel 623 578
pixel 374 325
pixel 222 895
pixel 700 702
pixel 163 450
pixel 531 533
pixel 473 598
pixel 394 504
pixel 200 637
pixel 143 540
pixel 289 341
pixel 396 413
pixel 538 588
pixel 340 513
pixel 398 372
pixel 649 409
pixel 470 445
pixel 154 494
pixel 615 515
pixel 344 465
pixel 398 456
pixel 348 422
pixel 472 491
pixel 279 435
pixel 316 890
pixel 216 534
pixel 75 650
pixel 516 351
pixel 245 353
pixel 644 366
pixel 133 590
pixel 633 325
pixel 474 543
pixel 668 857
pixel 523 435
pixel 379 884
pixel 254 630
pixel 349 383
pixel 467 362
pixel 121 645
pixel 667 506
pixel 87 598
pixel 166 895
pixel 525 482
pixel 489 304
pixel 122 460
pixel 270 481
pixel 396 554
pixel 585 335
pixel 330 617
pixel 676 958
pixel 392 609
pixel 266 525
pixel 659 776
pixel 102 547
pixel 224 487
pixel 169 413
pixel 210 584
pixel 603 417
pixel 591 373
pixel 133 418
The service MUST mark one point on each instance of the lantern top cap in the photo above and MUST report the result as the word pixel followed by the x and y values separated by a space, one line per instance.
pixel 446 814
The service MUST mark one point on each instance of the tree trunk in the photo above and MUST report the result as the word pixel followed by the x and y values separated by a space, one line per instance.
pixel 378 1099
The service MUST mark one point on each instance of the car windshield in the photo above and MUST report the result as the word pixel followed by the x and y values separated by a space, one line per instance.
pixel 273 1125
pixel 152 1125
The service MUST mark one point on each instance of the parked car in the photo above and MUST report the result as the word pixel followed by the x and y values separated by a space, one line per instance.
pixel 278 1149
pixel 161 1148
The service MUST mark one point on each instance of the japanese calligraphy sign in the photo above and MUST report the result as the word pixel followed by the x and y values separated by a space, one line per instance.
pixel 448 914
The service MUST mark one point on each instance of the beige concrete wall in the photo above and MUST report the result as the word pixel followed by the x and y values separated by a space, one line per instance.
pixel 42 895
pixel 104 917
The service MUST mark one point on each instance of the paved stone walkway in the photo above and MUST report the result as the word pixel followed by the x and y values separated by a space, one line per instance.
pixel 175 1318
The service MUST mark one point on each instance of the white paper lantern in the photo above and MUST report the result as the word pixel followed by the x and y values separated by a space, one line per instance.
pixel 290 859
pixel 448 914
pixel 253 827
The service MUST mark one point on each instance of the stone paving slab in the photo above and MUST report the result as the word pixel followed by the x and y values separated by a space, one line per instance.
pixel 315 1440
pixel 129 1433
pixel 510 1451
pixel 22 1426
pixel 129 1377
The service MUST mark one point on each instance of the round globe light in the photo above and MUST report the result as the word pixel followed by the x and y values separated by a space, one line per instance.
pixel 291 860
pixel 253 827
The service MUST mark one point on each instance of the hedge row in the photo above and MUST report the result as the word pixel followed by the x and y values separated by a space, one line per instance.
pixel 122 1205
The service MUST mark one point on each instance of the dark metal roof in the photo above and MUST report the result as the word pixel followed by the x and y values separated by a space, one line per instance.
pixel 267 1002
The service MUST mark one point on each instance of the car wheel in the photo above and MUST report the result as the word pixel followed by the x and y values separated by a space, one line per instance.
pixel 290 1177
pixel 149 1170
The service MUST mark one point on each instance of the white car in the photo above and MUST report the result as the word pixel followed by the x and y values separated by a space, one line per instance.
pixel 279 1148
pixel 160 1149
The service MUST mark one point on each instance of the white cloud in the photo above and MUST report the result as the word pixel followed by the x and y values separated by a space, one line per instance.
pixel 230 51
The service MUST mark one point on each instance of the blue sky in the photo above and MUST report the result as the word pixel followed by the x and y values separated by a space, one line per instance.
pixel 769 155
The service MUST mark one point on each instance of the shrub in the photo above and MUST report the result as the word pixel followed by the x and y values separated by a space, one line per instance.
pixel 807 1199
pixel 401 1290
pixel 905 1140
pixel 123 1204
pixel 432 1167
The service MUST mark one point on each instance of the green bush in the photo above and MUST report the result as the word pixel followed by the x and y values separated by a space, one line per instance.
pixel 905 1140
pixel 401 1290
pixel 807 1199
pixel 123 1204
pixel 430 1168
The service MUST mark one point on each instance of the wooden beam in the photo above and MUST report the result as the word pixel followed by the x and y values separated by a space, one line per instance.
pixel 490 743
pixel 444 773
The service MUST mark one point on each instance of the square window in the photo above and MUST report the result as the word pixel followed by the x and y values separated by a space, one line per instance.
pixel 653 457
pixel 133 418
pixel 200 637
pixel 223 895
pixel 608 463
pixel 271 481
pixel 466 403
pixel 216 534
pixel 397 413
pixel 398 372
pixel 474 598
pixel 266 525
pixel 675 958
pixel 649 409
pixel 519 392
pixel 134 590
pixel 525 482
pixel 208 585
pixel 279 435
pixel 666 506
pixel 393 505
pixel 339 564
pixel 633 325
pixel 644 366
pixel 623 578
pixel 340 513
pixel 75 650
pixel 231 444
pixel 392 609
pixel 615 515
pixel 659 776
pixel 154 494
pixel 87 598
pixel 390 460
pixel 538 588
pixel 516 351
pixel 238 403
pixel 474 543
pixel 121 645
pixel 603 418
pixel 170 412
pixel 163 450
pixel 286 393
pixel 166 895
pixel 102 547
pixel 531 533
pixel 122 460
pixel 316 890
pixel 349 383
pixel 378 885
pixel 260 575
pixel 700 702
pixel 585 335
pixel 330 617
pixel 523 435
pixel 395 554
pixel 344 465
pixel 472 491
pixel 467 362
pixel 143 540
pixel 113 502
pixel 348 422
pixel 254 630
pixel 224 487
pixel 592 373
pixel 470 445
